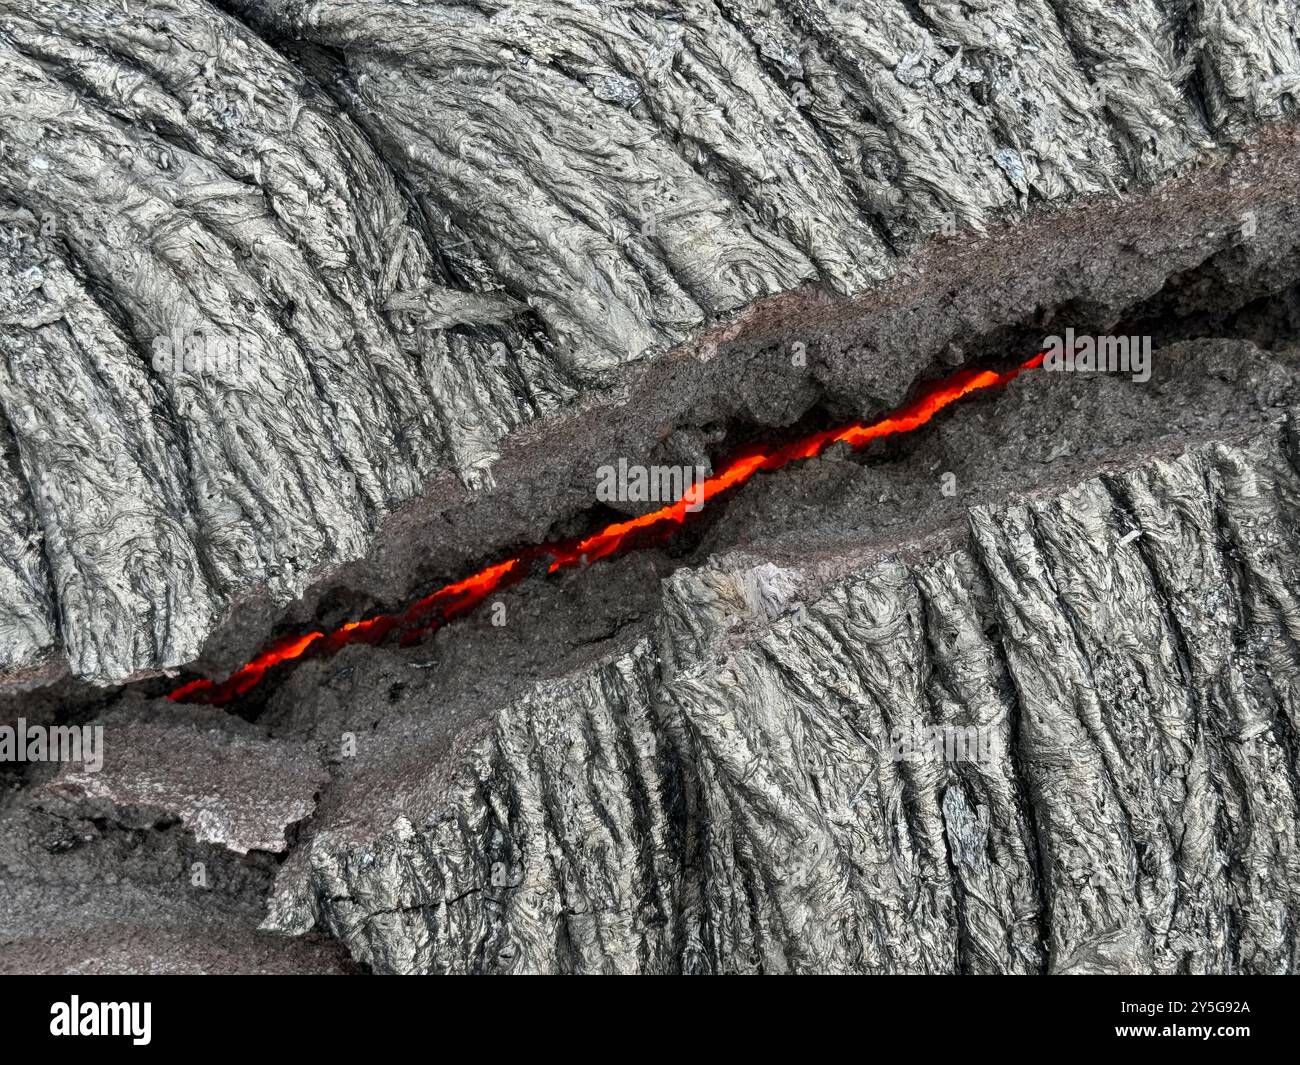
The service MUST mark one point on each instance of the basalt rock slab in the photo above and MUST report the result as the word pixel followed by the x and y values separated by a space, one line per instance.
pixel 224 781
pixel 90 887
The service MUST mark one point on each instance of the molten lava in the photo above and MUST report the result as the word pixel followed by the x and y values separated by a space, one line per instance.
pixel 454 600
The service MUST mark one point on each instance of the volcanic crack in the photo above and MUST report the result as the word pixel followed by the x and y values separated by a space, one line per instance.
pixel 453 600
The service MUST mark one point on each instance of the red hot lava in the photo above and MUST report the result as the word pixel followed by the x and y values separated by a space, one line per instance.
pixel 454 600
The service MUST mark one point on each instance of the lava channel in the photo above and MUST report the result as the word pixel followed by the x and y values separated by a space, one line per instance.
pixel 454 600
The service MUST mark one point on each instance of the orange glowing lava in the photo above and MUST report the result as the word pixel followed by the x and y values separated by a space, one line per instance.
pixel 454 600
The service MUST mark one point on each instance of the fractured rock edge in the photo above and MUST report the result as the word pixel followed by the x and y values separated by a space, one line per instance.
pixel 718 796
pixel 863 355
pixel 90 886
pixel 226 782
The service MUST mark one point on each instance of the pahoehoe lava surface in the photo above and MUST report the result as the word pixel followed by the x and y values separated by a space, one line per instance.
pixel 431 225
pixel 307 308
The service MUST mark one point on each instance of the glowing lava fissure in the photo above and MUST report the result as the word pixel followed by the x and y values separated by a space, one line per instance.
pixel 454 600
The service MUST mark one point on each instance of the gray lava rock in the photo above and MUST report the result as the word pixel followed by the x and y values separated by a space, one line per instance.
pixel 306 304
pixel 420 228
pixel 728 794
